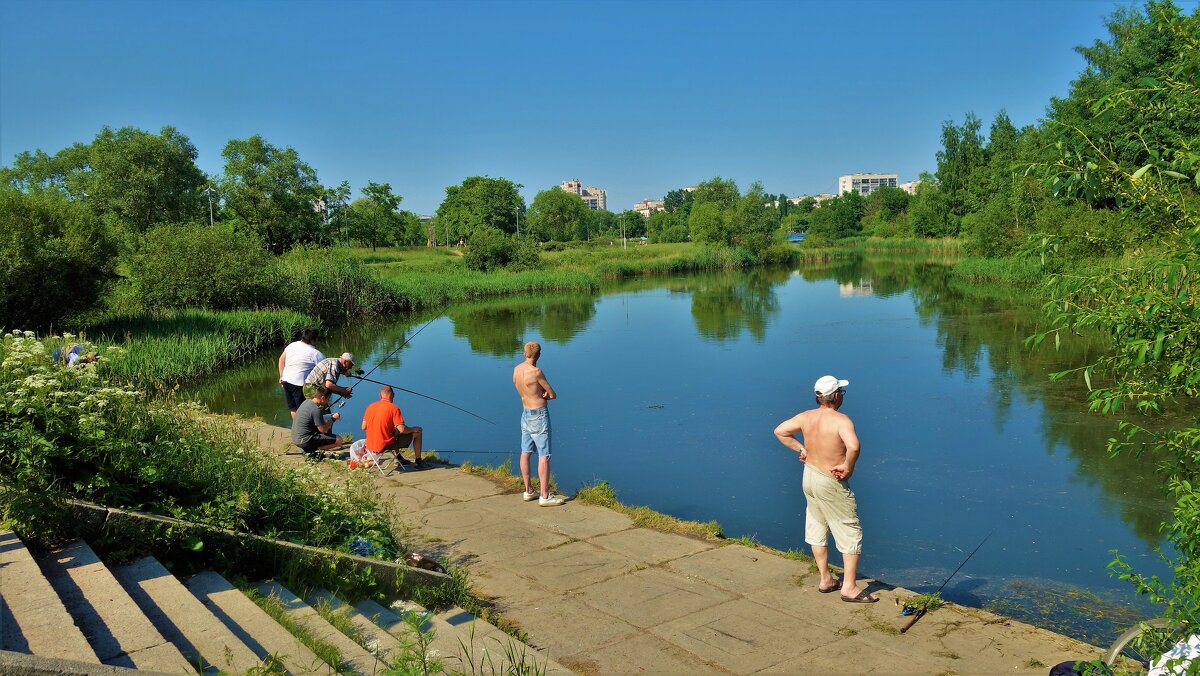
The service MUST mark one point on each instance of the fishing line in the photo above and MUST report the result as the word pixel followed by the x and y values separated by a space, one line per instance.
pixel 381 361
pixel 404 389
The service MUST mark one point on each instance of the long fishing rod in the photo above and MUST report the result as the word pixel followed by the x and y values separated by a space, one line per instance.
pixel 340 401
pixel 404 389
pixel 921 611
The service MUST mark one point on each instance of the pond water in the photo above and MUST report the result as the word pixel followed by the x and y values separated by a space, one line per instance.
pixel 669 389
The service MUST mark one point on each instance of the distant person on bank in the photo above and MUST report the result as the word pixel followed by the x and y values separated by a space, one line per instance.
pixel 296 362
pixel 535 391
pixel 829 452
pixel 386 431
pixel 327 371
pixel 311 430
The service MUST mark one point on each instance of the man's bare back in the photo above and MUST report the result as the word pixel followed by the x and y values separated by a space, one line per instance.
pixel 532 385
pixel 830 443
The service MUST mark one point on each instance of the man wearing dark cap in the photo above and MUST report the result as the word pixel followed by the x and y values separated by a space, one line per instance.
pixel 829 452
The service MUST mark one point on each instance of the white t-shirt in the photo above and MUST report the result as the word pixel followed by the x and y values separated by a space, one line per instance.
pixel 298 359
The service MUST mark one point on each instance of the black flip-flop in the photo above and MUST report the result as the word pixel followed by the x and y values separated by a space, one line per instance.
pixel 837 584
pixel 863 597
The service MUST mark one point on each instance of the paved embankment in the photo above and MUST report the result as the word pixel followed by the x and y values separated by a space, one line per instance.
pixel 601 596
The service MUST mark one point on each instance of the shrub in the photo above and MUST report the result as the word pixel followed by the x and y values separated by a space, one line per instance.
pixel 198 266
pixel 991 233
pixel 66 432
pixel 55 257
pixel 489 249
pixel 332 283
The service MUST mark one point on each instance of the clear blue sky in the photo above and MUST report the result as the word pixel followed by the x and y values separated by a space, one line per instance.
pixel 635 97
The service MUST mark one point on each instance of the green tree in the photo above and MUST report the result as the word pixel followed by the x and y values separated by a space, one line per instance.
pixel 409 230
pixel 271 193
pixel 837 218
pixel 722 192
pixel 678 201
pixel 754 222
pixel 931 212
pixel 557 215
pixel 1146 303
pixel 131 176
pixel 634 223
pixel 55 258
pixel 195 266
pixel 334 202
pixel 960 162
pixel 710 224
pixel 479 202
pixel 375 218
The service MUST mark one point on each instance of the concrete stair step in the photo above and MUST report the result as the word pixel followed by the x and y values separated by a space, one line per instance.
pixel 33 619
pixel 265 637
pixel 183 619
pixel 118 631
pixel 354 656
pixel 465 642
pixel 378 642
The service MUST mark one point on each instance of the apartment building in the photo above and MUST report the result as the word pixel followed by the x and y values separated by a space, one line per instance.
pixel 865 184
pixel 910 187
pixel 647 207
pixel 595 198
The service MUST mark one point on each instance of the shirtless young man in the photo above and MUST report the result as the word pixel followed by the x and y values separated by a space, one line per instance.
pixel 535 391
pixel 829 453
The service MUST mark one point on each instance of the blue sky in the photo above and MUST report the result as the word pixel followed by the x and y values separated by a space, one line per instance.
pixel 635 97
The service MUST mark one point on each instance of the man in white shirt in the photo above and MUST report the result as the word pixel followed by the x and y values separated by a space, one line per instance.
pixel 295 363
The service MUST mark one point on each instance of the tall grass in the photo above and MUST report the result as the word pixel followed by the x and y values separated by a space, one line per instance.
pixel 1018 271
pixel 431 289
pixel 159 349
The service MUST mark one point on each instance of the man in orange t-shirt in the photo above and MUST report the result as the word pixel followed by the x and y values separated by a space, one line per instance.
pixel 386 430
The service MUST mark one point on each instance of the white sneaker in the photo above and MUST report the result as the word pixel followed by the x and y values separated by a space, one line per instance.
pixel 530 496
pixel 551 501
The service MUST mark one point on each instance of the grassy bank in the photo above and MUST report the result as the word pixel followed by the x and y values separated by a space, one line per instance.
pixel 159 349
pixel 72 433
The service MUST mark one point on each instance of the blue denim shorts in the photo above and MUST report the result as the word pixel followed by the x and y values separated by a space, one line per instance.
pixel 535 431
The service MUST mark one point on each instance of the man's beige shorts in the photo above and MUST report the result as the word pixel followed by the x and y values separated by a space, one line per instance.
pixel 831 507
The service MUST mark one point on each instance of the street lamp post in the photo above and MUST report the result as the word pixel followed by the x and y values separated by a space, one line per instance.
pixel 517 211
pixel 209 192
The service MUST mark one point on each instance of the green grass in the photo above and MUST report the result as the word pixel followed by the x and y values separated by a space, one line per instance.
pixel 603 495
pixel 163 348
pixel 273 606
pixel 1017 271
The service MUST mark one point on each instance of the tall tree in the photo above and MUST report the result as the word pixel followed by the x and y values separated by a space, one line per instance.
pixel 959 165
pixel 479 202
pixel 131 176
pixel 271 192
pixel 375 218
pixel 557 215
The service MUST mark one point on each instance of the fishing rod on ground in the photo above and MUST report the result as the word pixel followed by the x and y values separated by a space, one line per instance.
pixel 341 400
pixel 920 612
pixel 404 389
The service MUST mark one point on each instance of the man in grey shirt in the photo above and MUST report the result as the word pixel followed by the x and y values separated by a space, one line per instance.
pixel 310 431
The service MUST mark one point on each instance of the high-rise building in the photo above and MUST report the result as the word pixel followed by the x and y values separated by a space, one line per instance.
pixel 865 184
pixel 595 198
pixel 910 187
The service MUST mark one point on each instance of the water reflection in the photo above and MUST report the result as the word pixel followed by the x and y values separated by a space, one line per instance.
pixel 499 327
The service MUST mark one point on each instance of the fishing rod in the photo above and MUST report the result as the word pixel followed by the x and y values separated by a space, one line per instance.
pixel 341 400
pixel 921 611
pixel 404 389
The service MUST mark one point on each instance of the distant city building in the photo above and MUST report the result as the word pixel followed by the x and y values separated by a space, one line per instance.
pixel 865 184
pixel 595 198
pixel 910 187
pixel 815 198
pixel 647 207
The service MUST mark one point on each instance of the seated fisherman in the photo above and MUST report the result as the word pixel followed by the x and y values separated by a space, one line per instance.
pixel 310 430
pixel 386 430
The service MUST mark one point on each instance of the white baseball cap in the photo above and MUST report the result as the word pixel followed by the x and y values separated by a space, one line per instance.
pixel 827 385
pixel 348 357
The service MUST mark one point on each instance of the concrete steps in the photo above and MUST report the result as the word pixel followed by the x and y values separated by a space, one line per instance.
pixel 67 612
pixel 116 628
pixel 183 620
pixel 33 617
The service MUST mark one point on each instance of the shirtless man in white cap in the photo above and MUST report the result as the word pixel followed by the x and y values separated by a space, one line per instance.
pixel 829 452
